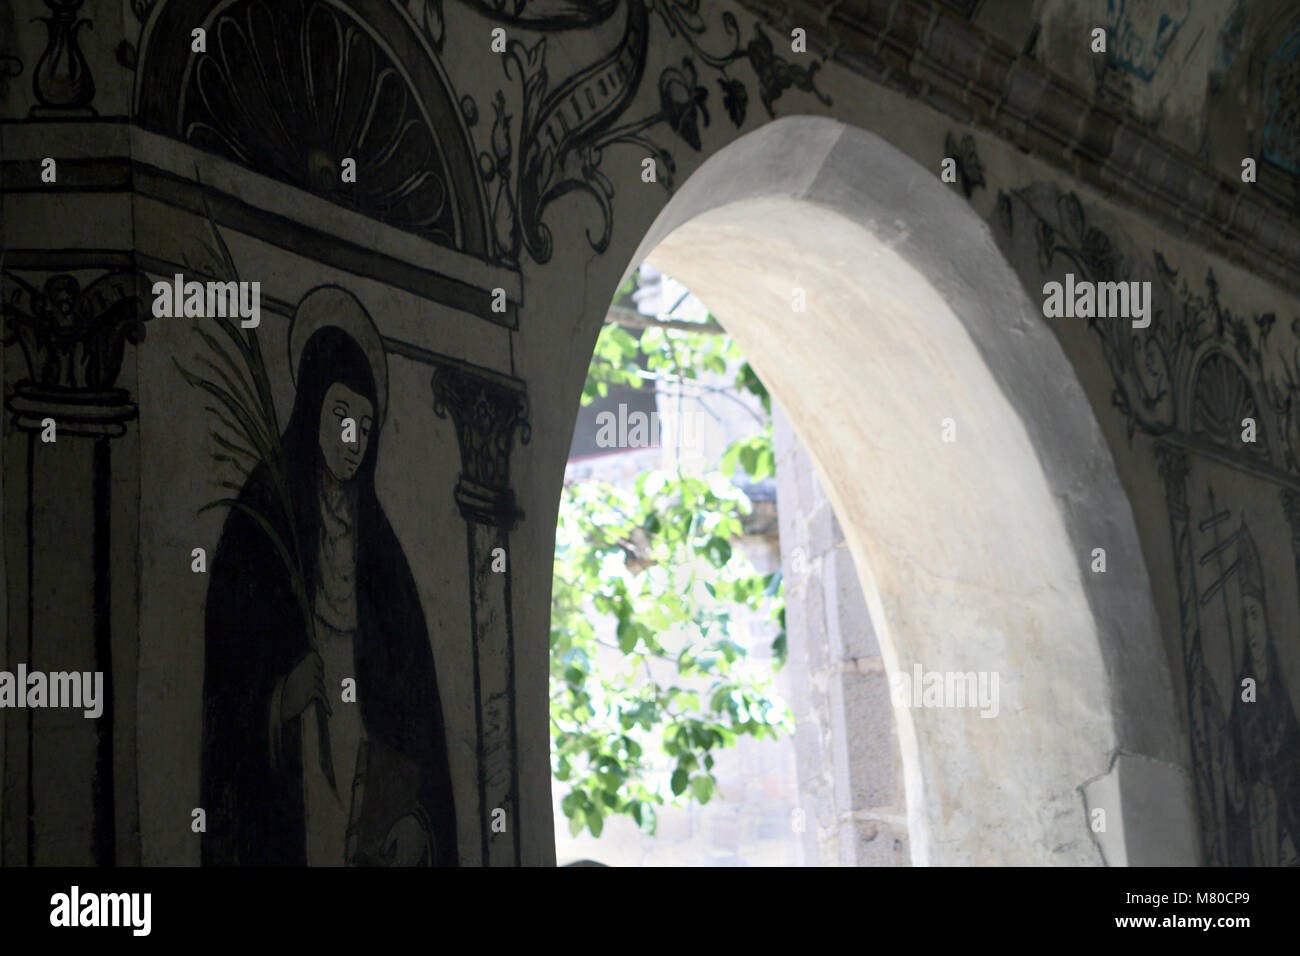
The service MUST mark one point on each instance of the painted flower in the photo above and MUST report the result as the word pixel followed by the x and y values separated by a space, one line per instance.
pixel 682 102
pixel 735 98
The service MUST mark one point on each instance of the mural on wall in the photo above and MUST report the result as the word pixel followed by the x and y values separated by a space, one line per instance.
pixel 311 593
pixel 293 88
pixel 323 737
pixel 1247 796
pixel 308 584
pixel 293 770
pixel 327 91
pixel 272 72
pixel 1225 420
pixel 557 143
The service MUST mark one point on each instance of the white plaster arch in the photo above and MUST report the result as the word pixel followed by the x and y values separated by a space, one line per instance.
pixel 974 555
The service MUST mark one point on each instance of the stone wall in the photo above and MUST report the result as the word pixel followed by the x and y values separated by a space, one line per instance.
pixel 850 768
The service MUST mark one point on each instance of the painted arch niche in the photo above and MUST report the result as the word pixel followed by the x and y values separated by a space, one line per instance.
pixel 291 88
pixel 973 554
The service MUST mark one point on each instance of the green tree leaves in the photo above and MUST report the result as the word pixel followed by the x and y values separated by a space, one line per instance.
pixel 650 672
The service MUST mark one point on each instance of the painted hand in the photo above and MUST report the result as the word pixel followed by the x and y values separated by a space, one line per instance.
pixel 306 682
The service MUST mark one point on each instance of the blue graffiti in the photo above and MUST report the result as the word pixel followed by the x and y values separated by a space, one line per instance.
pixel 1282 104
pixel 1229 41
pixel 1138 46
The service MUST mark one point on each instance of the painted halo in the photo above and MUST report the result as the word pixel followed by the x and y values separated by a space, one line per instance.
pixel 330 305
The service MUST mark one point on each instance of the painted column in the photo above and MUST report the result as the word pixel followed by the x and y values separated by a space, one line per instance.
pixel 1173 466
pixel 486 409
pixel 59 768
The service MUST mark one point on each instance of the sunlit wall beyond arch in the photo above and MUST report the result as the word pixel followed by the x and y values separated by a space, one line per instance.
pixel 974 553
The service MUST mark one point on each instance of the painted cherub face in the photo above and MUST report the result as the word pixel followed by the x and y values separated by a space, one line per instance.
pixel 342 446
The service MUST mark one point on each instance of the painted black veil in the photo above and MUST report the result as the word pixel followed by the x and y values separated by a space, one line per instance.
pixel 256 634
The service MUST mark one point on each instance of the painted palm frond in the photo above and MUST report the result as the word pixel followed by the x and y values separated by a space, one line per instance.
pixel 233 375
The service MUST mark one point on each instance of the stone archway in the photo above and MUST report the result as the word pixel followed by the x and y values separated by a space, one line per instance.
pixel 974 553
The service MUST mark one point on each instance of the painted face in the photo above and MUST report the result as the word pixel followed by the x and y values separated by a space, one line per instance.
pixel 1252 612
pixel 343 458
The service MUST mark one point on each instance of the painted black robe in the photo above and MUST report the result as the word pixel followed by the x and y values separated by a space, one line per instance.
pixel 1266 764
pixel 255 636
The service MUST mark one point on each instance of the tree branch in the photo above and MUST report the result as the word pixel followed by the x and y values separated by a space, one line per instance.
pixel 632 319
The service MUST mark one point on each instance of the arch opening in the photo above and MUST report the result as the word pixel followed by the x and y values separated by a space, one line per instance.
pixel 973 483
pixel 668 622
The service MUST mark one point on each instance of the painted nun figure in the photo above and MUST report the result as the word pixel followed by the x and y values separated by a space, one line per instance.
pixel 297 769
pixel 1263 778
